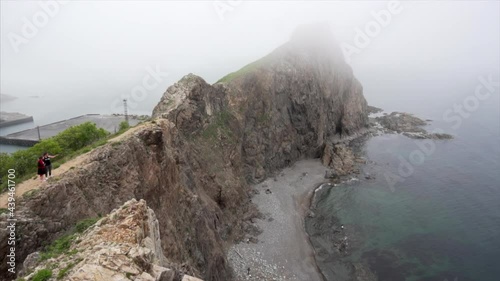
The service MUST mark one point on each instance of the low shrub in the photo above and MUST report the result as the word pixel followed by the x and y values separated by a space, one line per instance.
pixel 42 275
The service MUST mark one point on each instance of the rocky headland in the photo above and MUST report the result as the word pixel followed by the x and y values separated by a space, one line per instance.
pixel 197 165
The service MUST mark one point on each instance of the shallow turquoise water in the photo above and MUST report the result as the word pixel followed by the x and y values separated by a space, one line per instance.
pixel 442 222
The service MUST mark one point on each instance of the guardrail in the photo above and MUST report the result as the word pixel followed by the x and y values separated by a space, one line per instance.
pixel 19 142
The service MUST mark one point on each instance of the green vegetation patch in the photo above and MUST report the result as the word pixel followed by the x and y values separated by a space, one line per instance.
pixel 64 271
pixel 31 193
pixel 84 224
pixel 244 70
pixel 220 123
pixel 63 244
pixel 58 247
pixel 123 126
pixel 42 275
pixel 79 136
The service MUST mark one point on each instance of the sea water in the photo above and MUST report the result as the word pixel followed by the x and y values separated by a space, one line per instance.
pixel 439 220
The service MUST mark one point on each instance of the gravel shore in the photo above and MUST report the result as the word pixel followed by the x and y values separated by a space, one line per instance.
pixel 282 251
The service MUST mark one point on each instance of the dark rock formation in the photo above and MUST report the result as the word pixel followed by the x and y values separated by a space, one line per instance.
pixel 340 157
pixel 374 110
pixel 402 122
pixel 408 125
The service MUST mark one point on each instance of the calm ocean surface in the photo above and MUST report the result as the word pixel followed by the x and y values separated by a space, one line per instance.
pixel 441 223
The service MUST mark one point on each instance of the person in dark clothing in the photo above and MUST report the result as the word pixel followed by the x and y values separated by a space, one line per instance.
pixel 48 164
pixel 41 168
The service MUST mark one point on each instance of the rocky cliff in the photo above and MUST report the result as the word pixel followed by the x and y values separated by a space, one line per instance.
pixel 124 245
pixel 199 208
pixel 285 106
pixel 193 162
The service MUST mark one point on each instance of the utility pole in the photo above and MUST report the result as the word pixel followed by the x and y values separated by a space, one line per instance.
pixel 38 130
pixel 125 107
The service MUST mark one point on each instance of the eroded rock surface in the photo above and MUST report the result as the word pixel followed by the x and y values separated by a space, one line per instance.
pixel 125 245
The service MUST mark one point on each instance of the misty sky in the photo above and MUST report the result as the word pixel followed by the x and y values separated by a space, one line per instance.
pixel 95 52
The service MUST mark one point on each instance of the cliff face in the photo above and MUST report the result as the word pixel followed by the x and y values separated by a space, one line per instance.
pixel 285 106
pixel 193 162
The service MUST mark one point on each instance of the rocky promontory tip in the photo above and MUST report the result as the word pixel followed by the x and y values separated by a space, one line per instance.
pixel 374 110
pixel 408 125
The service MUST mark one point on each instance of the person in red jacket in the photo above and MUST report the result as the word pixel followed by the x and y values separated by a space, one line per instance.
pixel 41 168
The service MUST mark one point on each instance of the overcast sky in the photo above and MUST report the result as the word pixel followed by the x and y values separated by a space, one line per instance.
pixel 96 52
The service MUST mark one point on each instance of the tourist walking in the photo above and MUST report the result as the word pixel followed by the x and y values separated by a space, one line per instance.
pixel 48 164
pixel 41 168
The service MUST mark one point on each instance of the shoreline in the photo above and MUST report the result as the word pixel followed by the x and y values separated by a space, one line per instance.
pixel 306 204
pixel 340 238
pixel 278 246
pixel 255 258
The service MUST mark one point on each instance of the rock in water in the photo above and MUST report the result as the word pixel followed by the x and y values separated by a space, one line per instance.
pixel 409 125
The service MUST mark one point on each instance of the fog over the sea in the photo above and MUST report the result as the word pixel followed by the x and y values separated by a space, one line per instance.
pixel 90 54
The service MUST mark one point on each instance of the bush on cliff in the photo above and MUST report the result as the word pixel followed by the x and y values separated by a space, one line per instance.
pixel 79 136
pixel 42 275
pixel 81 226
pixel 6 163
pixel 123 126
pixel 63 244
pixel 58 247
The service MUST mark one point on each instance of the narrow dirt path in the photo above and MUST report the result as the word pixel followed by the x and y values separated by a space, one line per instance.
pixel 32 183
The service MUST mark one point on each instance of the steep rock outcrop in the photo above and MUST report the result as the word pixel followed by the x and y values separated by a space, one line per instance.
pixel 124 245
pixel 199 208
pixel 340 157
pixel 287 105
